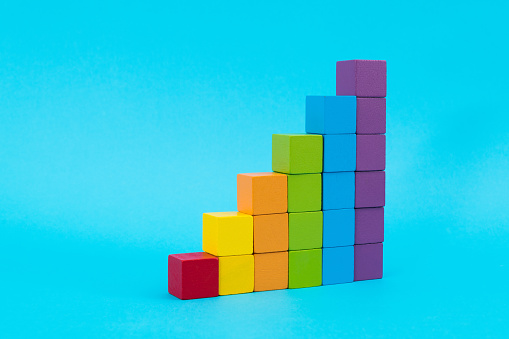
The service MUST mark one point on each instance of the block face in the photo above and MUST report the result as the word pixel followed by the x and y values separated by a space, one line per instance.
pixel 304 192
pixel 227 233
pixel 304 268
pixel 193 275
pixel 338 265
pixel 297 153
pixel 369 189
pixel 371 152
pixel 271 271
pixel 339 227
pixel 331 114
pixel 236 274
pixel 262 193
pixel 270 233
pixel 339 152
pixel 371 116
pixel 338 190
pixel 369 225
pixel 305 230
pixel 362 78
pixel 368 261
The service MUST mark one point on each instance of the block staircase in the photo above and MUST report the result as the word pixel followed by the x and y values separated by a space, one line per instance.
pixel 318 218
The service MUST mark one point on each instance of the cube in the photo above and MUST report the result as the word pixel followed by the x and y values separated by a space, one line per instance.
pixel 305 230
pixel 338 265
pixel 193 275
pixel 270 233
pixel 297 153
pixel 371 115
pixel 339 152
pixel 262 193
pixel 339 227
pixel 338 190
pixel 271 271
pixel 371 152
pixel 362 78
pixel 369 189
pixel 304 268
pixel 368 261
pixel 369 225
pixel 227 233
pixel 304 192
pixel 330 114
pixel 236 274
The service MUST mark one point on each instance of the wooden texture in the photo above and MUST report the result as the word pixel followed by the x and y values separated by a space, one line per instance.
pixel 236 274
pixel 271 271
pixel 262 193
pixel 297 153
pixel 227 233
pixel 270 233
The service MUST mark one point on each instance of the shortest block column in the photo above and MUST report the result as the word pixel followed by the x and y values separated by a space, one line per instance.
pixel 368 261
pixel 193 275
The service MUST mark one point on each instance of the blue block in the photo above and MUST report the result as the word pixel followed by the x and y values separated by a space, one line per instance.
pixel 338 190
pixel 337 265
pixel 331 114
pixel 339 152
pixel 339 227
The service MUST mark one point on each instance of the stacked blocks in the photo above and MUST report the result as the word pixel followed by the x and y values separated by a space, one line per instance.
pixel 318 218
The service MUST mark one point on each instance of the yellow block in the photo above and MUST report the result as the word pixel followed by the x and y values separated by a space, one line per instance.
pixel 236 274
pixel 227 233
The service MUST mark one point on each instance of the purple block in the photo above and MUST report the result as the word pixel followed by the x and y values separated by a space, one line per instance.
pixel 370 152
pixel 368 261
pixel 371 115
pixel 362 78
pixel 369 225
pixel 369 189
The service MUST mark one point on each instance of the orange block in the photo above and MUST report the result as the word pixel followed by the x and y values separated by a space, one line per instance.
pixel 271 271
pixel 262 193
pixel 270 233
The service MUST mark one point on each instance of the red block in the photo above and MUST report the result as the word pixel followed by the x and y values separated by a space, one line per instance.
pixel 193 275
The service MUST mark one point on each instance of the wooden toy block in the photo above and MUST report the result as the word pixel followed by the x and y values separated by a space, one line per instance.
pixel 236 274
pixel 305 230
pixel 330 114
pixel 371 152
pixel 339 227
pixel 338 190
pixel 368 261
pixel 362 78
pixel 271 271
pixel 304 268
pixel 304 192
pixel 369 225
pixel 262 193
pixel 369 189
pixel 227 233
pixel 371 115
pixel 193 275
pixel 297 153
pixel 338 265
pixel 270 233
pixel 339 152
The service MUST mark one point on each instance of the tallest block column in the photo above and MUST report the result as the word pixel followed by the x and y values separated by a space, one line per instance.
pixel 367 81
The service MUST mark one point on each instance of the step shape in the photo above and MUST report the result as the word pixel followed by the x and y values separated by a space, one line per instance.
pixel 362 78
pixel 331 114
pixel 297 153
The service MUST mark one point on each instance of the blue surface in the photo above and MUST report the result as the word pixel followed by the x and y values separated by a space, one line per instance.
pixel 331 114
pixel 339 227
pixel 337 265
pixel 339 152
pixel 338 190
pixel 120 123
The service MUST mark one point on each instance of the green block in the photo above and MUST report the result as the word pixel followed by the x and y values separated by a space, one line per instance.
pixel 304 268
pixel 304 192
pixel 297 153
pixel 305 230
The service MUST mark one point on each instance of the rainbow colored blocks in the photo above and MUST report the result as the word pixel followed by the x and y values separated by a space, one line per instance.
pixel 318 218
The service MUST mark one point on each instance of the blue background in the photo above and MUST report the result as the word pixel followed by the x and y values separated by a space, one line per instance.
pixel 120 123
